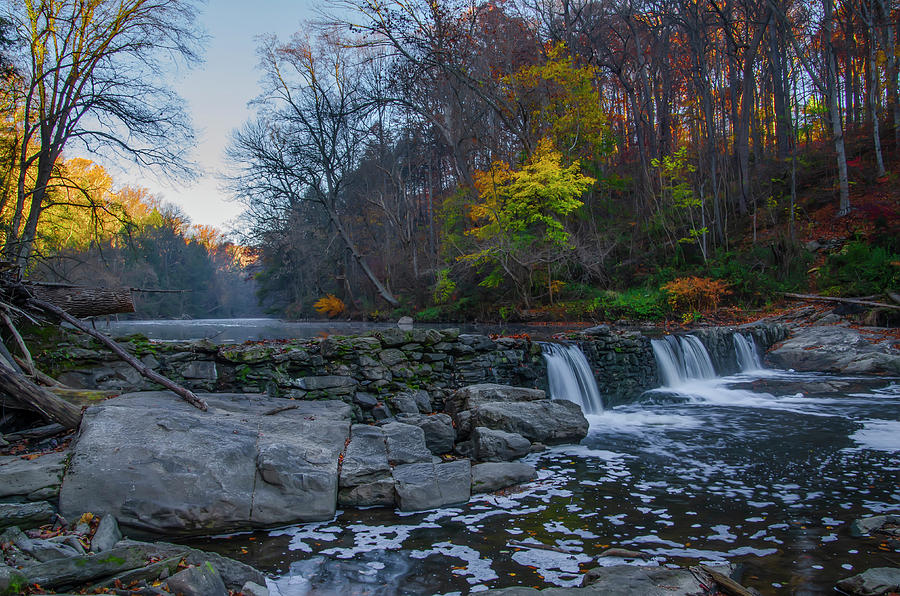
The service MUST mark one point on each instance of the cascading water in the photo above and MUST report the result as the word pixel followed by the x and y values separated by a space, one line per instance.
pixel 570 377
pixel 681 359
pixel 746 352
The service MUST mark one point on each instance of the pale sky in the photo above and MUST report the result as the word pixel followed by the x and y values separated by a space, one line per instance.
pixel 217 92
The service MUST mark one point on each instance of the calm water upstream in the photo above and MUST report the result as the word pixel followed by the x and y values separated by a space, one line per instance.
pixel 767 469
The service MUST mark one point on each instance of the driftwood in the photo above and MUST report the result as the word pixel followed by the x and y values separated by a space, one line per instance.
pixel 843 300
pixel 139 366
pixel 624 553
pixel 556 549
pixel 37 398
pixel 37 375
pixel 725 584
pixel 83 302
pixel 41 432
pixel 894 296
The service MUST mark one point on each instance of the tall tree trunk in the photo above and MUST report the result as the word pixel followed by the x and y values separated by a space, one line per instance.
pixel 834 110
pixel 351 246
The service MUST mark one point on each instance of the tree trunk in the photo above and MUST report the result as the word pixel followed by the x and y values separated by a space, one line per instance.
pixel 84 302
pixel 834 111
pixel 37 398
pixel 139 366
pixel 348 242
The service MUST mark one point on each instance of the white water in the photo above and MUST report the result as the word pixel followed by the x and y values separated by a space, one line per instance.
pixel 747 355
pixel 571 378
pixel 682 359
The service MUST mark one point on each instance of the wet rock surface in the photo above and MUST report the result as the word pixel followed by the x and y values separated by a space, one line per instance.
pixel 62 562
pixel 836 349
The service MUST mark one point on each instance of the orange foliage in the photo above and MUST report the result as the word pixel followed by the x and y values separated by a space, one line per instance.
pixel 695 294
pixel 330 305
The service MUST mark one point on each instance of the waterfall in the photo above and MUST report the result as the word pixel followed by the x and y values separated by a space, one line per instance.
pixel 570 376
pixel 681 359
pixel 747 355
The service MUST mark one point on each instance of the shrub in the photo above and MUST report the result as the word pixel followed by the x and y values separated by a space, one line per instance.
pixel 695 294
pixel 860 269
pixel 640 304
pixel 330 305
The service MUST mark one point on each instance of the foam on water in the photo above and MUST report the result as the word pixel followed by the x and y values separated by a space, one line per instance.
pixel 879 435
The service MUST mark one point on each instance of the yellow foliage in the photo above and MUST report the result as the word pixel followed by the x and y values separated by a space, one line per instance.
pixel 330 305
pixel 695 294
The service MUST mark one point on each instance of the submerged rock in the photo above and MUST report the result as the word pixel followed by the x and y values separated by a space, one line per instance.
pixel 622 580
pixel 872 582
pixel 886 524
pixel 492 476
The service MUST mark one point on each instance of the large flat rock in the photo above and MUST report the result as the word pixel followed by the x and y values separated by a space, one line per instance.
pixel 159 465
pixel 835 349
pixel 23 477
pixel 473 396
pixel 545 421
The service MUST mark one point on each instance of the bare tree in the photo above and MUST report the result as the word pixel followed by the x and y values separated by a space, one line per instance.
pixel 90 73
pixel 314 120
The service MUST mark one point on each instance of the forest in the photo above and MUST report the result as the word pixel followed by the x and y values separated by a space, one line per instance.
pixel 456 160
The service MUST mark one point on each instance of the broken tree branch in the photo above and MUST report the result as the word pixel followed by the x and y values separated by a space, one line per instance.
pixel 836 299
pixel 147 372
pixel 26 355
pixel 38 398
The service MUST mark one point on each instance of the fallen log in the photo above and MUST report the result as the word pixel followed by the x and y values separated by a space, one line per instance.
pixel 37 398
pixel 136 364
pixel 725 583
pixel 83 302
pixel 837 299
pixel 41 432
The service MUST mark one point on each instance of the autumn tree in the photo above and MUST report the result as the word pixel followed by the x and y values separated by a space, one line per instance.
pixel 519 219
pixel 90 74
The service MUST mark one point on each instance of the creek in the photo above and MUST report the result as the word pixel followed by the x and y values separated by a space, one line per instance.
pixel 763 468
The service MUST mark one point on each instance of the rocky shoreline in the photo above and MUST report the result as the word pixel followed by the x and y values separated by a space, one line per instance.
pixel 387 419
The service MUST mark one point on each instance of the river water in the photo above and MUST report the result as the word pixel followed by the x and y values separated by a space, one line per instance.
pixel 766 469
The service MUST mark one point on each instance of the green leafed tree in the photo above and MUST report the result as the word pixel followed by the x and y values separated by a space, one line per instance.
pixel 519 219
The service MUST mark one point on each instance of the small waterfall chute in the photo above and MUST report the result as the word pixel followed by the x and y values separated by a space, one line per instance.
pixel 747 355
pixel 681 359
pixel 570 376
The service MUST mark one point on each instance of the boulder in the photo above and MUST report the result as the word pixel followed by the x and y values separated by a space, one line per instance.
pixel 403 403
pixel 424 486
pixel 545 421
pixel 405 444
pixel 25 515
pixel 886 524
pixel 497 445
pixel 107 534
pixel 365 458
pixel 472 396
pixel 872 582
pixel 378 493
pixel 438 428
pixel 166 467
pixel 252 589
pixel 12 581
pixel 21 477
pixel 73 571
pixel 835 349
pixel 203 580
pixel 489 477
pixel 297 469
pixel 234 573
